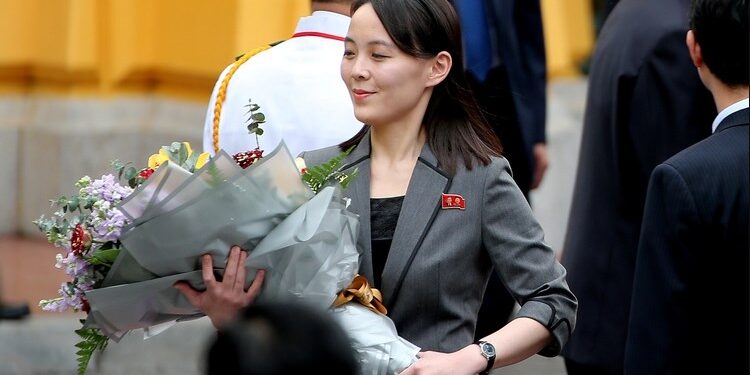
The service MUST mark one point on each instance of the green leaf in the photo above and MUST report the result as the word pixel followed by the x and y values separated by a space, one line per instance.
pixel 258 117
pixel 91 340
pixel 183 154
pixel 327 173
pixel 216 177
pixel 89 203
pixel 130 172
pixel 190 162
pixel 259 131
pixel 104 257
pixel 73 203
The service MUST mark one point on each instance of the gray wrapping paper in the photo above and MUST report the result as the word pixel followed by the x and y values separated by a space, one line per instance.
pixel 305 242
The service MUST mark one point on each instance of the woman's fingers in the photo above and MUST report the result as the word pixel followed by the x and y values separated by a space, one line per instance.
pixel 255 287
pixel 239 283
pixel 230 271
pixel 192 295
pixel 208 271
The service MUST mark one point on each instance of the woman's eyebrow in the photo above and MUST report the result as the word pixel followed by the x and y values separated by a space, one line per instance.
pixel 379 42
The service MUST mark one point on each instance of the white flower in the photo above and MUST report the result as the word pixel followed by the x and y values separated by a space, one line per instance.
pixel 301 166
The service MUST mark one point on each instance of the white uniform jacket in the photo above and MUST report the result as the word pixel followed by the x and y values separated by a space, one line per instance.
pixel 298 87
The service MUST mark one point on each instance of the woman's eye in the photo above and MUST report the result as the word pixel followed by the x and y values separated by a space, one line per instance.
pixel 348 53
pixel 378 56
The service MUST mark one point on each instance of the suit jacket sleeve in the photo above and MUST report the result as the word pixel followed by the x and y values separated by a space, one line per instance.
pixel 525 264
pixel 659 333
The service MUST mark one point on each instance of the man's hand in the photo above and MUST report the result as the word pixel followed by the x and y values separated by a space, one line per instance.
pixel 541 162
pixel 222 300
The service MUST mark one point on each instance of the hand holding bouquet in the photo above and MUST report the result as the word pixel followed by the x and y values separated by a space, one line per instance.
pixel 128 245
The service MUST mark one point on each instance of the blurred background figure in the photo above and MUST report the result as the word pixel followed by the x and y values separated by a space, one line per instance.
pixel 297 85
pixel 693 265
pixel 506 66
pixel 281 339
pixel 10 310
pixel 645 103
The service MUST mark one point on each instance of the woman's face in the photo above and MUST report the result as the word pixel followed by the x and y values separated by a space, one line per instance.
pixel 386 85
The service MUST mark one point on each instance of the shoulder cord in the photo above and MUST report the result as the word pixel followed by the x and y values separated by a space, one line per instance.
pixel 222 93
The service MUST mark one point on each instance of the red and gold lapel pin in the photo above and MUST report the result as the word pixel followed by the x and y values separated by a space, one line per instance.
pixel 450 201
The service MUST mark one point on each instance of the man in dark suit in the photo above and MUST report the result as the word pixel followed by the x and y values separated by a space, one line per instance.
pixel 645 103
pixel 506 65
pixel 691 276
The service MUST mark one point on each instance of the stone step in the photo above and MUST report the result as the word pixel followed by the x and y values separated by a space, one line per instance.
pixel 45 345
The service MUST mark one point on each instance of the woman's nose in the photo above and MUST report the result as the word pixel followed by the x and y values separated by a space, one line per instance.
pixel 359 69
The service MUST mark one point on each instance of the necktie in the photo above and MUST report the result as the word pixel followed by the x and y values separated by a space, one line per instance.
pixel 476 38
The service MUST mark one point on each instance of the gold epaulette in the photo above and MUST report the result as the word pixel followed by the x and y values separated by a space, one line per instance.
pixel 222 93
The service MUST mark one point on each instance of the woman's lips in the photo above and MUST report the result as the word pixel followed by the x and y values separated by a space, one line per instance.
pixel 361 94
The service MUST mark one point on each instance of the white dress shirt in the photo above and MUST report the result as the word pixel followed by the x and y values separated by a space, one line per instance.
pixel 742 104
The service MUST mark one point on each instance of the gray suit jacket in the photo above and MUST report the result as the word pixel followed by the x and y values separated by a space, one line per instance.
pixel 440 259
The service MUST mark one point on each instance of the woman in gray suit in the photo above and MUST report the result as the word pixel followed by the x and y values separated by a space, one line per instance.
pixel 437 204
pixel 438 207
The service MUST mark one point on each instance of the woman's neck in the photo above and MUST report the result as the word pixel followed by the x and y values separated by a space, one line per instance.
pixel 396 143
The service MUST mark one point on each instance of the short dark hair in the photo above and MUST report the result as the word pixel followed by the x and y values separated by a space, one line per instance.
pixel 282 338
pixel 456 130
pixel 721 29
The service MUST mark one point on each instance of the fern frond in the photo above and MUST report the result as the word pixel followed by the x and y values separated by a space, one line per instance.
pixel 327 173
pixel 91 341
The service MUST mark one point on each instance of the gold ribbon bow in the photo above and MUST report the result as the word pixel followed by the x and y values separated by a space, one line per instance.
pixel 360 290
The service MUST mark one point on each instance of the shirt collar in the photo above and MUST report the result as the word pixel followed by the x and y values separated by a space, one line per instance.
pixel 740 105
pixel 324 22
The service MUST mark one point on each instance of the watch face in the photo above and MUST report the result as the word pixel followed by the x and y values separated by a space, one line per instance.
pixel 488 349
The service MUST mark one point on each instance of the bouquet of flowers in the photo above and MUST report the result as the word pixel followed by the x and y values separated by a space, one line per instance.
pixel 127 244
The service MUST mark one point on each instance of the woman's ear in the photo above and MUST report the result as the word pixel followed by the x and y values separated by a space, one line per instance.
pixel 439 69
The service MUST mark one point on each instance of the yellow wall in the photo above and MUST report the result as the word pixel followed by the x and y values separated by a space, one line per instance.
pixel 568 34
pixel 178 47
pixel 96 47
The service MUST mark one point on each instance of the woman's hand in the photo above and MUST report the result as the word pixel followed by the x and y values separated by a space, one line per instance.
pixel 222 300
pixel 468 360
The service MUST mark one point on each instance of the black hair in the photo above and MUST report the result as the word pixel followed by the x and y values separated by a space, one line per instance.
pixel 282 338
pixel 455 127
pixel 721 29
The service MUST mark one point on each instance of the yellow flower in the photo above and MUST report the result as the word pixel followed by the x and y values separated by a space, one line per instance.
pixel 155 160
pixel 202 159
pixel 172 153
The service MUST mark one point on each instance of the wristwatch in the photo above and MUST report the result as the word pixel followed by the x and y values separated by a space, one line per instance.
pixel 488 352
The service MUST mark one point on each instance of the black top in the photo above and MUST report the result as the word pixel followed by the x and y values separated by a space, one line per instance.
pixel 383 217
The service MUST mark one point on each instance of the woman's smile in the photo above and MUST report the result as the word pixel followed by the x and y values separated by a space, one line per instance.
pixel 360 94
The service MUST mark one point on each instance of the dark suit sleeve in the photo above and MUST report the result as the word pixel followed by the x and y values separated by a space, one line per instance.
pixel 528 20
pixel 659 334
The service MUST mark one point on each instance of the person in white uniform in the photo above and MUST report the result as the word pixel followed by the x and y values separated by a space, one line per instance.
pixel 297 85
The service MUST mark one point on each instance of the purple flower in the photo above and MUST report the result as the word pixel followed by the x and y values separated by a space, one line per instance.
pixel 106 188
pixel 107 222
pixel 74 266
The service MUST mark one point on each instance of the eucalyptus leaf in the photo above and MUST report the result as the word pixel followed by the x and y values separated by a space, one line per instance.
pixel 130 172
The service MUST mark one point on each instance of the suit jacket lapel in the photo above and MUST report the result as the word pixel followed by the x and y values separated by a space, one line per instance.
pixel 422 201
pixel 359 193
